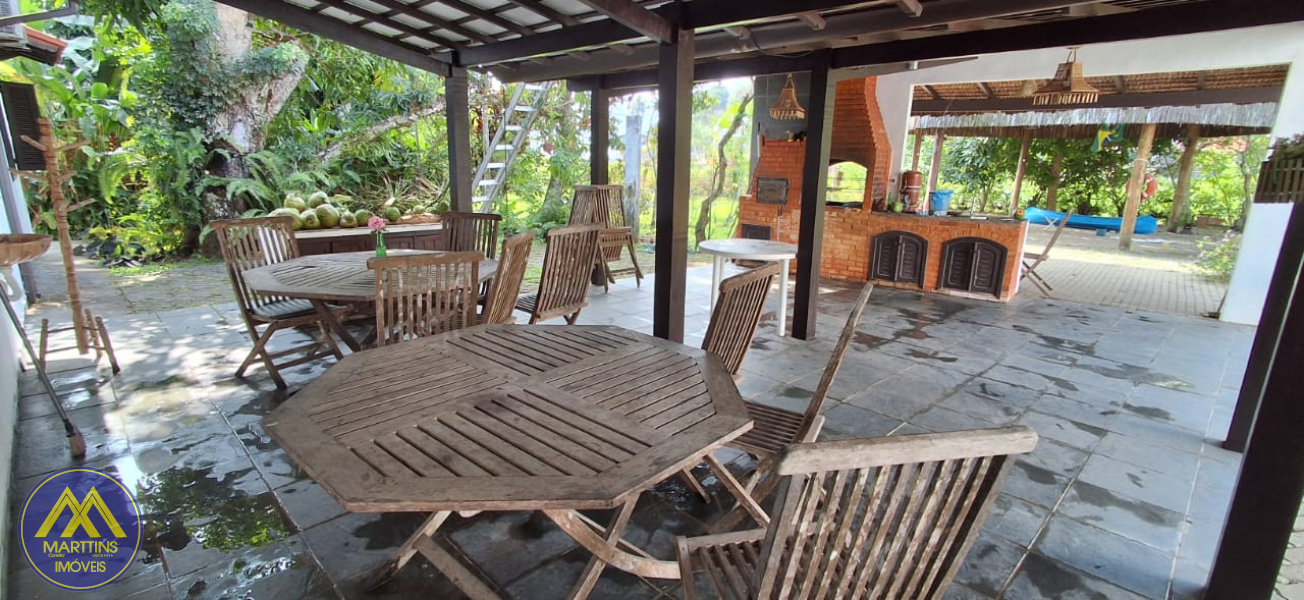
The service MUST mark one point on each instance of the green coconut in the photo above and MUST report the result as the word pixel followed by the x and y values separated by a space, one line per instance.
pixel 340 201
pixel 288 212
pixel 348 220
pixel 311 220
pixel 294 202
pixel 329 216
pixel 362 215
pixel 392 214
pixel 317 198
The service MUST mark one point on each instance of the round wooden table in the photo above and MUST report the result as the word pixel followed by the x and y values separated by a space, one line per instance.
pixel 743 249
pixel 323 278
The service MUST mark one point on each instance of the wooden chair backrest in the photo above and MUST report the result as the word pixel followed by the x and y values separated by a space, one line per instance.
pixel 582 208
pixel 606 203
pixel 737 312
pixel 835 361
pixel 424 294
pixel 567 263
pixel 887 517
pixel 250 243
pixel 506 285
pixel 467 231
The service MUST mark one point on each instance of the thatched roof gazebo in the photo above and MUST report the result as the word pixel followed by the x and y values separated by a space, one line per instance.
pixel 1184 105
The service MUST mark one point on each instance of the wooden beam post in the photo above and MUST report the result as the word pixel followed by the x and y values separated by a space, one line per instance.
pixel 460 168
pixel 1266 502
pixel 914 158
pixel 1052 193
pixel 599 135
pixel 814 184
pixel 1020 170
pixel 1184 171
pixel 1136 186
pixel 634 17
pixel 936 168
pixel 674 152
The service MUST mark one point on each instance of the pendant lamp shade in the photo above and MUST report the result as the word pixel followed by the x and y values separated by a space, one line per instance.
pixel 1068 86
pixel 788 108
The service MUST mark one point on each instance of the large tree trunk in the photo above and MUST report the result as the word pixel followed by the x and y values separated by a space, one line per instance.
pixel 1182 191
pixel 1052 193
pixel 238 128
pixel 721 170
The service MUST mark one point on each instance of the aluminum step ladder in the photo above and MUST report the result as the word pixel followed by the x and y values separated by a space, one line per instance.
pixel 502 149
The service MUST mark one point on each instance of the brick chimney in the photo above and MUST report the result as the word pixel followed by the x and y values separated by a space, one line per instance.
pixel 860 137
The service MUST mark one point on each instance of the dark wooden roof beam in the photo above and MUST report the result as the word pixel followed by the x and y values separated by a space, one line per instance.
pixel 1151 23
pixel 413 10
pixel 382 20
pixel 486 15
pixel 710 14
pixel 1120 84
pixel 814 20
pixel 1129 100
pixel 910 7
pixel 739 32
pixel 932 92
pixel 1099 9
pixel 635 17
pixel 546 12
pixel 343 33
pixel 774 37
pixel 987 90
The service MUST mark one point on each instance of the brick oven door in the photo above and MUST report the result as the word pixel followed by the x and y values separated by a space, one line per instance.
pixel 885 257
pixel 910 260
pixel 988 268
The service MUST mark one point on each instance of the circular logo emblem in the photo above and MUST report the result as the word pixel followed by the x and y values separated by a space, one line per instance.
pixel 80 529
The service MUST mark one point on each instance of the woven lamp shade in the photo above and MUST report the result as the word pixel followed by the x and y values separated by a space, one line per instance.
pixel 1067 87
pixel 788 108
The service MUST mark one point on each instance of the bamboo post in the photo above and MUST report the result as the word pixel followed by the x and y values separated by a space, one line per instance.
pixel 936 169
pixel 1136 186
pixel 55 177
pixel 1184 172
pixel 914 158
pixel 1020 169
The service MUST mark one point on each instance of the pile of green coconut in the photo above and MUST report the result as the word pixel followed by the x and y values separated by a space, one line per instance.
pixel 322 211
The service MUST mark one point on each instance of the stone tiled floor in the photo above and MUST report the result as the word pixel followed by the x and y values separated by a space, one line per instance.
pixel 1123 498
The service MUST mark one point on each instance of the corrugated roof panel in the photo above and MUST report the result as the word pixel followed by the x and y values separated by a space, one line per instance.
pixel 411 21
pixel 383 30
pixel 523 16
pixel 338 14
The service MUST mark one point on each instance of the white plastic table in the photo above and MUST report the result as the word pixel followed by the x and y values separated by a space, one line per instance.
pixel 752 250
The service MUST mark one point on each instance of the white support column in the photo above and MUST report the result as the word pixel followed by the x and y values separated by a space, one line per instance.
pixel 1265 227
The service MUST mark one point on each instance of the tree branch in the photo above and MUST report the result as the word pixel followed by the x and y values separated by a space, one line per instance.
pixel 335 148
pixel 721 166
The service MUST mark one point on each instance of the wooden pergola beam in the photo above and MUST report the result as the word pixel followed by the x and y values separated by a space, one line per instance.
pixel 343 33
pixel 939 105
pixel 1136 186
pixel 461 168
pixel 599 136
pixel 910 7
pixel 635 17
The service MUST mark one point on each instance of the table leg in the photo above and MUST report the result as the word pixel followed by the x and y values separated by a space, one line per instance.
pixel 334 325
pixel 717 265
pixel 594 569
pixel 783 296
pixel 609 552
pixel 386 572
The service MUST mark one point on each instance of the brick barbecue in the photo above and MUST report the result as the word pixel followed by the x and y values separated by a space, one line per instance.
pixel 984 253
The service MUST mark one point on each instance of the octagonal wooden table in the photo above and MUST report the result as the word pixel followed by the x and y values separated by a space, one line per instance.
pixel 514 417
pixel 324 278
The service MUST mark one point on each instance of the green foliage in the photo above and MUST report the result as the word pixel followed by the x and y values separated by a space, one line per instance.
pixel 1289 148
pixel 1218 259
pixel 978 165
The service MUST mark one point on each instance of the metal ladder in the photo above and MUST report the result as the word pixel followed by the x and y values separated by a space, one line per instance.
pixel 508 139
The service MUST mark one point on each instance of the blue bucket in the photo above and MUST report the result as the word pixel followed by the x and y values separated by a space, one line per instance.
pixel 940 200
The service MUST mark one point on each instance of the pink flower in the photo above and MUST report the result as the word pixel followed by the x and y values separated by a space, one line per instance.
pixel 375 224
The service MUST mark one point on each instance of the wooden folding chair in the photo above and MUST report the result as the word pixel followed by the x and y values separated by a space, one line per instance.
pixel 250 243
pixel 564 285
pixel 468 231
pixel 506 284
pixel 737 312
pixel 1030 268
pixel 776 428
pixel 608 209
pixel 424 294
pixel 869 518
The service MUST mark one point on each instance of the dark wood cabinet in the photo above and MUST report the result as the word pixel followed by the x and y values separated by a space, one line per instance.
pixel 898 256
pixel 359 239
pixel 973 265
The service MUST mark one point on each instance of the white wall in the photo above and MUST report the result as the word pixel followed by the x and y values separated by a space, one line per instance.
pixel 1255 46
pixel 13 219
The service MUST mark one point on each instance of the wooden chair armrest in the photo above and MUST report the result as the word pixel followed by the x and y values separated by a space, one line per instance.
pixel 816 425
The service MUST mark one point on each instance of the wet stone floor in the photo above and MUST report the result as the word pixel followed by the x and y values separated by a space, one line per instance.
pixel 1124 497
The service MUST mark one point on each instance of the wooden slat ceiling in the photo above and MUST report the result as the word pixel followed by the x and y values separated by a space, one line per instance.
pixel 531 39
pixel 1273 76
